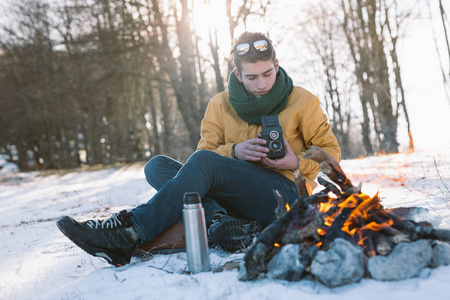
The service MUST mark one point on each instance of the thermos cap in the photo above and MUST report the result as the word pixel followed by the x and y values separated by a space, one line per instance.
pixel 192 198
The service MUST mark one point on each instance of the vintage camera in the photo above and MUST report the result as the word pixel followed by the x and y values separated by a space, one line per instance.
pixel 273 134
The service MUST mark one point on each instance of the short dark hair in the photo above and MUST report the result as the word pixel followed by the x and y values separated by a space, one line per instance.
pixel 252 56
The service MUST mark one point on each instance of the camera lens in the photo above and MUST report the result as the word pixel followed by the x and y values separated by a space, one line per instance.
pixel 274 134
pixel 275 146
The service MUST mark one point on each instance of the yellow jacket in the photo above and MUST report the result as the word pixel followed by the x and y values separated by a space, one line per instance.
pixel 303 122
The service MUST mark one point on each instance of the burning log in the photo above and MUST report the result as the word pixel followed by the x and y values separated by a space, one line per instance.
pixel 317 221
pixel 258 255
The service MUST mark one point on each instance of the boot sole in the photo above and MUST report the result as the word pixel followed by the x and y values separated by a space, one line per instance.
pixel 111 258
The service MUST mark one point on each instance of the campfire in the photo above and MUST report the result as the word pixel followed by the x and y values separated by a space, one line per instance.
pixel 341 235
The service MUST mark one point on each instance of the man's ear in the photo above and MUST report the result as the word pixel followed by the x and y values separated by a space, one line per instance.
pixel 277 64
pixel 238 75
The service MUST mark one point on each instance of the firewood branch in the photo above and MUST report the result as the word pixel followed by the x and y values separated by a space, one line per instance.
pixel 329 166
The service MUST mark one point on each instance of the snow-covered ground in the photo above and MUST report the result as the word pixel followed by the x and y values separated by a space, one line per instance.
pixel 38 262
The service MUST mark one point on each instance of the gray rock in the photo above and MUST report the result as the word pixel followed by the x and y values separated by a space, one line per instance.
pixel 242 271
pixel 286 264
pixel 441 255
pixel 421 214
pixel 405 261
pixel 343 263
pixel 417 214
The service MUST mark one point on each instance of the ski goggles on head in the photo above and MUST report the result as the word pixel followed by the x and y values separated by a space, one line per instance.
pixel 259 45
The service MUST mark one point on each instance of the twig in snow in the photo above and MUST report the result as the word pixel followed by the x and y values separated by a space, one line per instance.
pixel 439 175
pixel 162 268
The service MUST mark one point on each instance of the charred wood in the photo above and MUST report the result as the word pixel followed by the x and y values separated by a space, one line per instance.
pixel 352 215
pixel 329 186
pixel 329 166
pixel 369 248
pixel 257 256
pixel 383 244
pixel 335 230
pixel 305 232
pixel 300 183
pixel 281 209
pixel 397 236
pixel 416 231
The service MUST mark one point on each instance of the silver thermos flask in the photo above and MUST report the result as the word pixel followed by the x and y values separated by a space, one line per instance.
pixel 195 232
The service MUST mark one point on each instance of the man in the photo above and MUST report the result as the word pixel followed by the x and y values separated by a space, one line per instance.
pixel 230 169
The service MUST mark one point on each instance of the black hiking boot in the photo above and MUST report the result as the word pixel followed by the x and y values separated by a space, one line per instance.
pixel 113 239
pixel 232 234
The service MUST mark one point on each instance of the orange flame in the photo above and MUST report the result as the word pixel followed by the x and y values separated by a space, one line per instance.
pixel 325 207
pixel 356 221
pixel 377 227
pixel 276 245
pixel 288 208
pixel 321 231
pixel 350 202
pixel 361 240
pixel 363 208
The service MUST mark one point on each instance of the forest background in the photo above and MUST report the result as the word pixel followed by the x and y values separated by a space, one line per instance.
pixel 85 82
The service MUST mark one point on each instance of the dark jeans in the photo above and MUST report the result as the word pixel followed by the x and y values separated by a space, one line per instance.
pixel 243 189
pixel 160 169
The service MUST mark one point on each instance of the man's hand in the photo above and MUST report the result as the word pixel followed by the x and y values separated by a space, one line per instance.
pixel 289 162
pixel 250 150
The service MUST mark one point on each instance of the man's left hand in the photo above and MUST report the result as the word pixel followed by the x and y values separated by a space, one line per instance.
pixel 288 162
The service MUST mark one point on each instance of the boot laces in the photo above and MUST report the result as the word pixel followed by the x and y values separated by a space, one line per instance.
pixel 110 223
pixel 215 222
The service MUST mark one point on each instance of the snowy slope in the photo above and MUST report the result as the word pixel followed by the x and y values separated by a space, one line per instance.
pixel 37 261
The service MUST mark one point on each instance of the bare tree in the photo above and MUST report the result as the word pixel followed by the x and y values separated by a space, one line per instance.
pixel 391 38
pixel 365 39
pixel 234 18
pixel 188 100
pixel 323 34
pixel 445 75
pixel 39 132
pixel 444 25
pixel 213 45
pixel 94 82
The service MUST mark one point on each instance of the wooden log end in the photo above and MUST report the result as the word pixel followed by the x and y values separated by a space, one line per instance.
pixel 300 183
pixel 281 209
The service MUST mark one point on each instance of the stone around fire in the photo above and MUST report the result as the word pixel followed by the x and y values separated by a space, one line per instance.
pixel 286 264
pixel 406 261
pixel 441 255
pixel 342 264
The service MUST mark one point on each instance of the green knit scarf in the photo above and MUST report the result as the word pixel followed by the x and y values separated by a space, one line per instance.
pixel 250 108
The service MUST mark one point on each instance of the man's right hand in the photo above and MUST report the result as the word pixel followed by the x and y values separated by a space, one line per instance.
pixel 251 150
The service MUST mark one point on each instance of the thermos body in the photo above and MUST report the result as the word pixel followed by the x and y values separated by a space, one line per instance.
pixel 195 234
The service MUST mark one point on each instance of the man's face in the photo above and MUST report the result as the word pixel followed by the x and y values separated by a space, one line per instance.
pixel 258 78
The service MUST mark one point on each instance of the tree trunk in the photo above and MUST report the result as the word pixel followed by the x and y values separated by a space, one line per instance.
pixel 372 71
pixel 187 96
pixel 398 78
pixel 166 117
pixel 216 65
pixel 184 88
pixel 441 9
